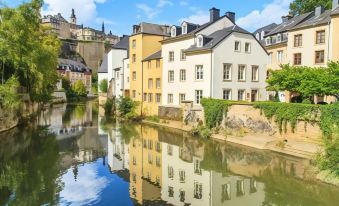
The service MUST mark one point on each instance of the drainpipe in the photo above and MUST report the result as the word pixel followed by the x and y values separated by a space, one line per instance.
pixel 328 41
pixel 211 79
pixel 142 86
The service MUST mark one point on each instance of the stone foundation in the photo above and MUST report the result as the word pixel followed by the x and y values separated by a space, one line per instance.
pixel 170 113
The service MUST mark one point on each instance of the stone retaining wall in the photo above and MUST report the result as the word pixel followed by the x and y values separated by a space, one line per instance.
pixel 170 113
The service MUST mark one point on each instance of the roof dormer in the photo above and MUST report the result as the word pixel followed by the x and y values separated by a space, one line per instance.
pixel 200 41
pixel 184 28
pixel 173 31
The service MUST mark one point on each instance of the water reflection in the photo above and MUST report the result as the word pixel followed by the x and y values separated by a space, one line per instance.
pixel 74 156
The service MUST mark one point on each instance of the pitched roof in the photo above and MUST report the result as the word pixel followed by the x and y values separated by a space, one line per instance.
pixel 122 44
pixel 216 37
pixel 104 65
pixel 266 28
pixel 74 66
pixel 313 20
pixel 156 55
pixel 284 26
pixel 155 29
pixel 335 11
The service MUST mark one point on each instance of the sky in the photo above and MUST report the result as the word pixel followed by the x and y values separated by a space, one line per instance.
pixel 120 15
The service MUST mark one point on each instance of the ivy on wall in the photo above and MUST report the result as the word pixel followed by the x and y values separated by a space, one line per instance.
pixel 214 110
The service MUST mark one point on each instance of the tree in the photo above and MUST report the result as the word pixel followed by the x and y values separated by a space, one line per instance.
pixel 127 106
pixel 103 85
pixel 298 7
pixel 79 88
pixel 66 84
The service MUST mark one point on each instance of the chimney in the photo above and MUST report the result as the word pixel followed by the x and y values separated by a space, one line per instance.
pixel 319 10
pixel 231 16
pixel 287 17
pixel 214 14
pixel 135 29
pixel 335 4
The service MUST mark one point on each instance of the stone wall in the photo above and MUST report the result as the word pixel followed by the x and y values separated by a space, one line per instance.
pixel 248 118
pixel 93 52
pixel 170 113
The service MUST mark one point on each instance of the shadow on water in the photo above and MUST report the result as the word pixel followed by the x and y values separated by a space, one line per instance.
pixel 74 156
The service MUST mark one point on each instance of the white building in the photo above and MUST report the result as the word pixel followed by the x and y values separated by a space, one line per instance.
pixel 126 79
pixel 111 68
pixel 217 59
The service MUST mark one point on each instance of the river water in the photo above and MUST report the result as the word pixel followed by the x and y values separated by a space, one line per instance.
pixel 71 155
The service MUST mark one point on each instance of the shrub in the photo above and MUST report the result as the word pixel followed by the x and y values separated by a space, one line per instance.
pixel 153 118
pixel 79 88
pixel 201 131
pixel 126 107
pixel 307 101
pixel 103 85
pixel 214 110
pixel 109 106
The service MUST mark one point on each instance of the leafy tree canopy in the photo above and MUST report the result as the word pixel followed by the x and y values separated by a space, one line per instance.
pixel 103 85
pixel 298 7
pixel 79 88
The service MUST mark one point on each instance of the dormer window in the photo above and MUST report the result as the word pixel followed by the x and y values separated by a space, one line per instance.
pixel 200 41
pixel 257 36
pixel 268 41
pixel 184 28
pixel 262 35
pixel 173 31
pixel 279 38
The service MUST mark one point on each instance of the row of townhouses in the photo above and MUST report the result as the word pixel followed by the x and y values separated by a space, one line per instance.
pixel 71 30
pixel 160 65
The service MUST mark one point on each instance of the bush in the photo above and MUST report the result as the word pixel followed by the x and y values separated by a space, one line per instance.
pixel 9 97
pixel 201 131
pixel 103 85
pixel 79 89
pixel 153 118
pixel 214 110
pixel 109 107
pixel 307 101
pixel 126 107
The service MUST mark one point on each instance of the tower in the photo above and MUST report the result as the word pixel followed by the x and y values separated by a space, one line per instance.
pixel 103 27
pixel 73 18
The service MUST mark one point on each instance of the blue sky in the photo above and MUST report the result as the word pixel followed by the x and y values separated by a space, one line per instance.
pixel 120 15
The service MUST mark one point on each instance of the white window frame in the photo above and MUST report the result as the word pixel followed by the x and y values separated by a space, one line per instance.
pixel 256 79
pixel 198 96
pixel 243 91
pixel 237 49
pixel 170 76
pixel 280 54
pixel 229 94
pixel 171 56
pixel 182 97
pixel 182 75
pixel 225 65
pixel 242 66
pixel 170 98
pixel 158 83
pixel 199 72
pixel 248 50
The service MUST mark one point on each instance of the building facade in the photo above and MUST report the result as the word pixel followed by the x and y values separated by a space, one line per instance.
pixel 144 42
pixel 217 59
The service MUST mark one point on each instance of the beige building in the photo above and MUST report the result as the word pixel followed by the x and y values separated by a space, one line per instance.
pixel 59 25
pixel 75 71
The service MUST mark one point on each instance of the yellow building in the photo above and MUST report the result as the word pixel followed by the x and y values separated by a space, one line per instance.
pixel 145 165
pixel 152 80
pixel 335 32
pixel 144 42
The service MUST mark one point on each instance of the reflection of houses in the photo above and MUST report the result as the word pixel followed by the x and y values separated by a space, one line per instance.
pixel 145 165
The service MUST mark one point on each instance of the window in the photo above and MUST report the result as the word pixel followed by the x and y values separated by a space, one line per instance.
pixel 170 150
pixel 198 96
pixel 270 58
pixel 197 190
pixel 145 97
pixel 278 38
pixel 170 98
pixel 319 57
pixel 170 76
pixel 225 192
pixel 150 83
pixel 182 195
pixel 149 64
pixel 237 46
pixel 241 95
pixel 268 40
pixel 248 47
pixel 182 55
pixel 134 44
pixel 298 40
pixel 182 176
pixel 227 94
pixel 255 73
pixel 182 75
pixel 157 161
pixel 297 59
pixel 240 188
pixel 134 93
pixel 158 63
pixel 158 98
pixel 184 29
pixel 182 97
pixel 134 76
pixel 257 36
pixel 227 72
pixel 157 81
pixel 171 56
pixel 200 41
pixel 150 97
pixel 320 37
pixel 173 32
pixel 170 192
pixel 280 56
pixel 170 172
pixel 150 158
pixel 242 73
pixel 134 58
pixel 197 169
pixel 199 72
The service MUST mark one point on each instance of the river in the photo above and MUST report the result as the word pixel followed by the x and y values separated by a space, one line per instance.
pixel 72 155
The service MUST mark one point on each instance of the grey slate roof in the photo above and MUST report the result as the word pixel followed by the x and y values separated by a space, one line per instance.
pixel 335 11
pixel 74 66
pixel 156 55
pixel 267 28
pixel 122 44
pixel 156 29
pixel 104 65
pixel 313 20
pixel 284 26
pixel 215 38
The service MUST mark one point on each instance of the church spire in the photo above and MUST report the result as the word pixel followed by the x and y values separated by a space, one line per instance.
pixel 103 27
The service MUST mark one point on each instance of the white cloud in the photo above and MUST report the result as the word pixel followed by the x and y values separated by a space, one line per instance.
pixel 271 12
pixel 148 11
pixel 85 10
pixel 163 3
pixel 199 17
pixel 87 189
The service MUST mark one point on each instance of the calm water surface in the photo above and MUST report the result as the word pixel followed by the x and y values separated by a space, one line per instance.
pixel 73 156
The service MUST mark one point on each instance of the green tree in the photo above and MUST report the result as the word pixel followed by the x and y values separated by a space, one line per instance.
pixel 28 50
pixel 8 93
pixel 79 89
pixel 66 84
pixel 298 7
pixel 126 107
pixel 103 85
